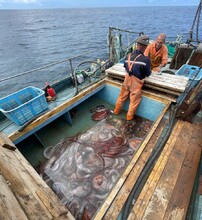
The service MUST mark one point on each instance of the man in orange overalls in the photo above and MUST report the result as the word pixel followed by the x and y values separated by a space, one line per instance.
pixel 158 53
pixel 138 67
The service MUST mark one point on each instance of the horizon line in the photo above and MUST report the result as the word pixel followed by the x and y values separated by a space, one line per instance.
pixel 92 7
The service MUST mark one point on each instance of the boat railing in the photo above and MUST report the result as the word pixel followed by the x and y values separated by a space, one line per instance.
pixel 87 72
pixel 120 42
pixel 68 69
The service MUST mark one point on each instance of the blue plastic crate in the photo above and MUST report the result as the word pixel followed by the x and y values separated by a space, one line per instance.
pixel 192 72
pixel 24 104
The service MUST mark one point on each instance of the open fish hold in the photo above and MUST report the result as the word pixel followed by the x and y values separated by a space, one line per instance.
pixel 83 170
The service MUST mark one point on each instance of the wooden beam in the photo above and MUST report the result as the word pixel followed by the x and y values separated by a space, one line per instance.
pixel 9 206
pixel 26 187
pixel 181 195
pixel 20 186
pixel 42 190
pixel 6 142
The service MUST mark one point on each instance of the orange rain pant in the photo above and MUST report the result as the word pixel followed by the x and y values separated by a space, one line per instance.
pixel 132 86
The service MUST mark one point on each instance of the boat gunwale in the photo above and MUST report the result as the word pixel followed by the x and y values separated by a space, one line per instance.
pixel 58 111
pixel 49 116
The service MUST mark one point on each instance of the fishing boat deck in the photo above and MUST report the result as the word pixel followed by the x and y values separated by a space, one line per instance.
pixel 165 194
pixel 171 179
pixel 8 126
pixel 60 107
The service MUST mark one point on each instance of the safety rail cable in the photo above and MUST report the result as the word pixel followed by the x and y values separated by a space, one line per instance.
pixel 122 30
pixel 139 33
pixel 156 153
pixel 46 66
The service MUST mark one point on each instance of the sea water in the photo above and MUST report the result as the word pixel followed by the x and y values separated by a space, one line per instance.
pixel 30 39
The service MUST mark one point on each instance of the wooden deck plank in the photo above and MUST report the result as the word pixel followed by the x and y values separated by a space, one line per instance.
pixel 162 90
pixel 149 188
pixel 157 89
pixel 167 81
pixel 162 194
pixel 179 201
pixel 46 195
pixel 34 197
pixel 169 198
pixel 9 206
pixel 13 173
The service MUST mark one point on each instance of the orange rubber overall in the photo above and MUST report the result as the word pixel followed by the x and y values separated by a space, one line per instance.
pixel 132 86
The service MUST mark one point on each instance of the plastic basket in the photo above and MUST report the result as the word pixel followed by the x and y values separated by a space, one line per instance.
pixel 192 72
pixel 23 105
pixel 171 50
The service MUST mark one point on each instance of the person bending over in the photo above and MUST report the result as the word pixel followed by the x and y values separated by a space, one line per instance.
pixel 158 53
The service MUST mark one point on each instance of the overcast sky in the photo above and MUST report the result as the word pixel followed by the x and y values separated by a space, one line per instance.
pixel 30 4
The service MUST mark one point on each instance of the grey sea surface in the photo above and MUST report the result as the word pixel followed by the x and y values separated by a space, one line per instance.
pixel 30 39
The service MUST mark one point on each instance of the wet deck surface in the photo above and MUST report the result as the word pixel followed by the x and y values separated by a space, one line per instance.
pixel 166 193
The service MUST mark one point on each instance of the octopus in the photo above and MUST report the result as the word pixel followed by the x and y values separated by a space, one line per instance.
pixel 99 182
pixel 83 169
pixel 100 112
pixel 97 116
pixel 134 143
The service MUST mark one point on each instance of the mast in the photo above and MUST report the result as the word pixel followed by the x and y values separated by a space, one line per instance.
pixel 195 22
